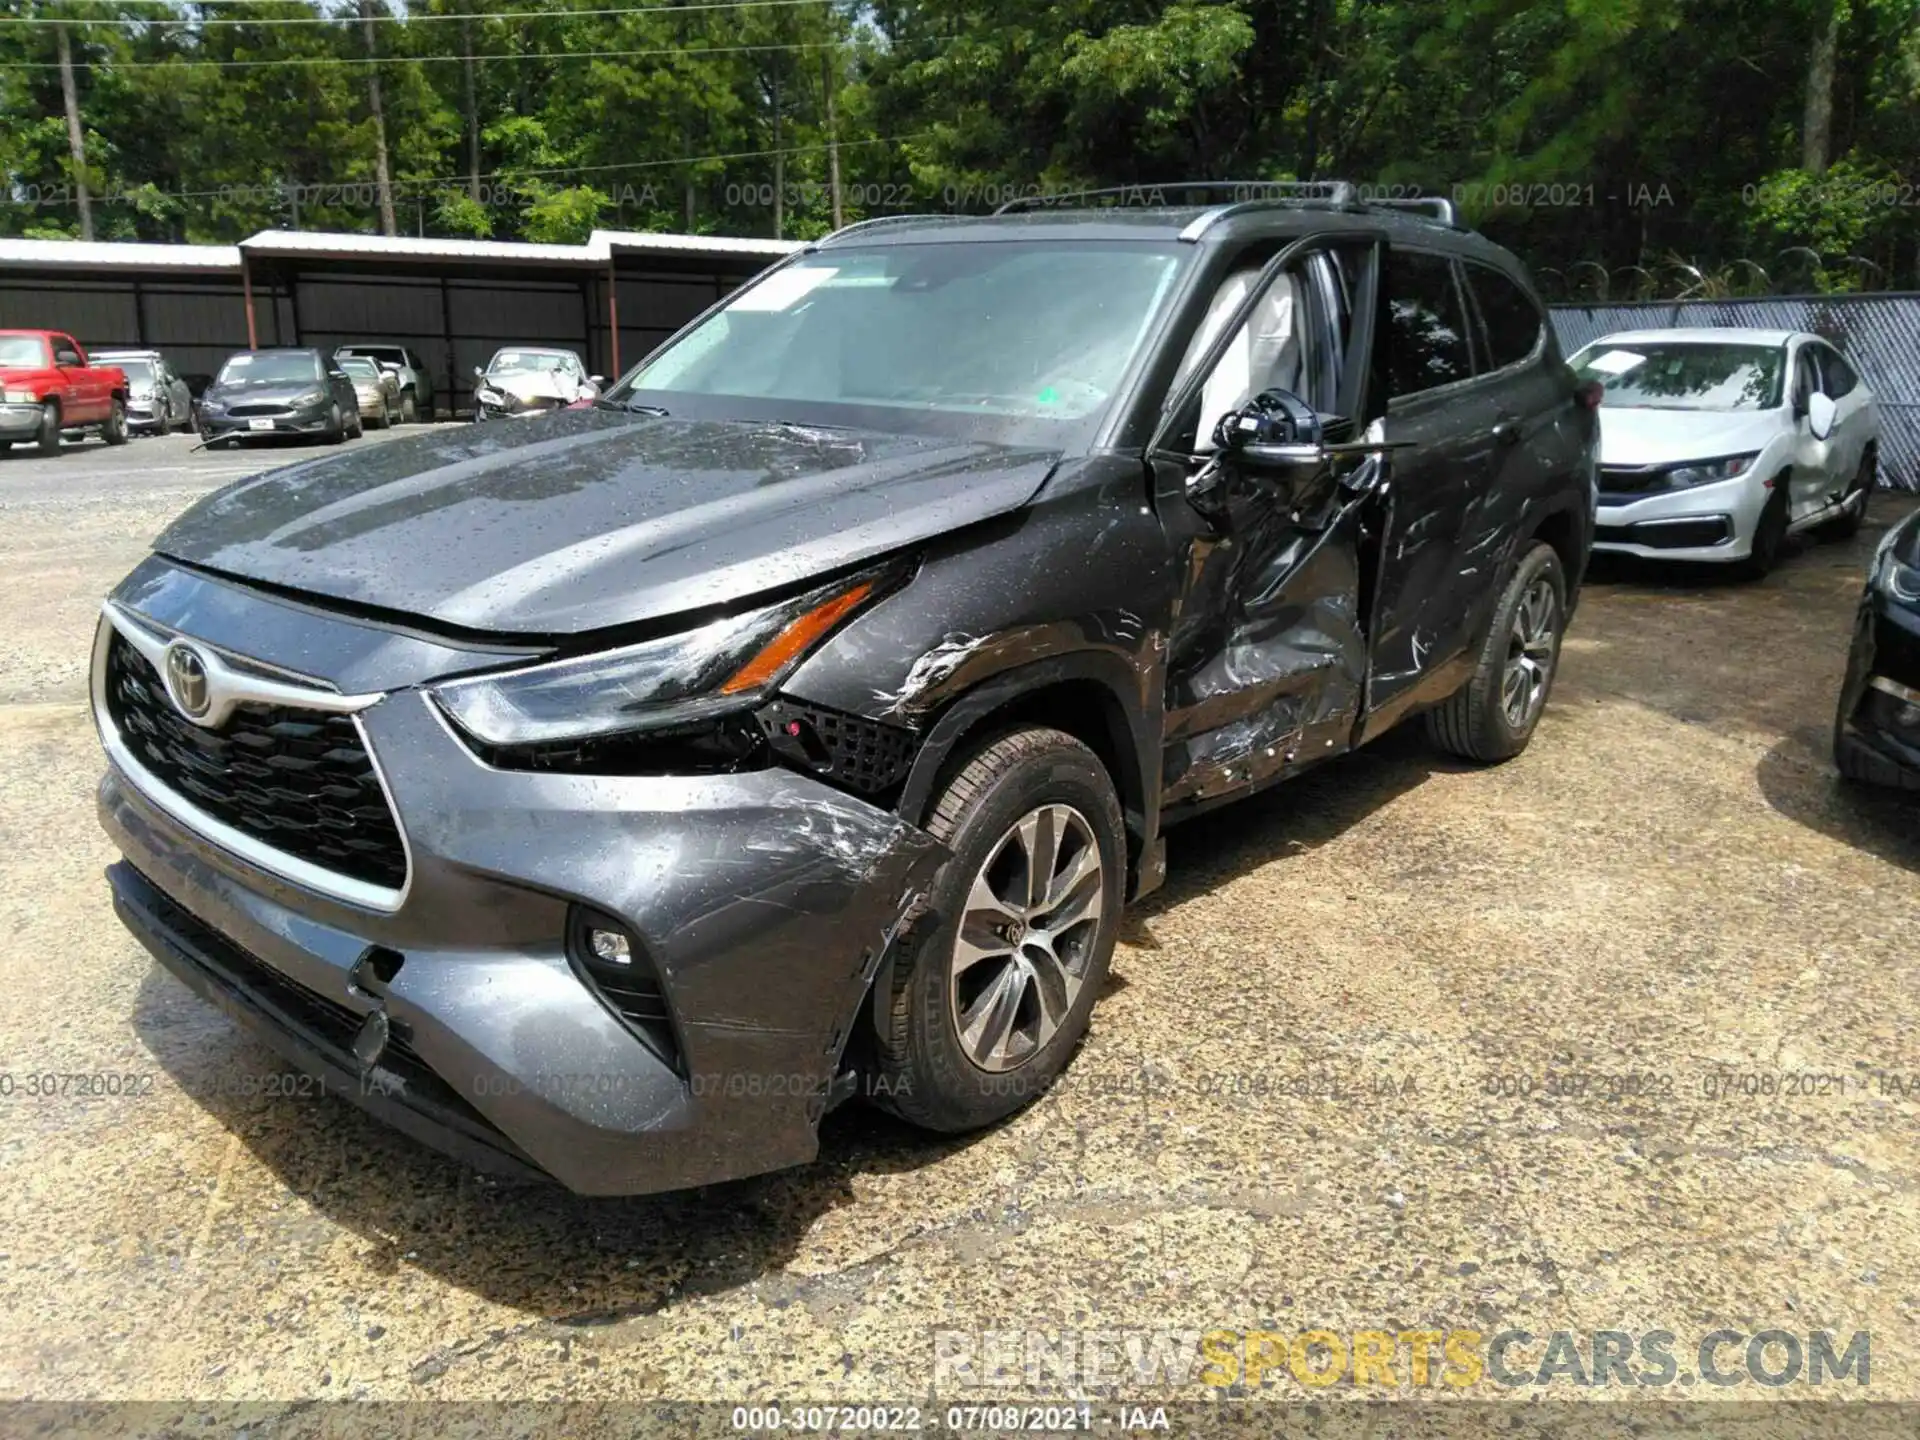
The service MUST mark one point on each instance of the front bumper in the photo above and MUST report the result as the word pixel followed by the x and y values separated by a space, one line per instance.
pixel 19 422
pixel 300 422
pixel 763 903
pixel 1878 725
pixel 1713 523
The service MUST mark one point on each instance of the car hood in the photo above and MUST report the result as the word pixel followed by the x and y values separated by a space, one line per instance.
pixel 1639 436
pixel 264 391
pixel 593 518
pixel 535 385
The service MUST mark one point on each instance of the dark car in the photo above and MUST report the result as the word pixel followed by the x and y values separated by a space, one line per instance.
pixel 259 394
pixel 612 796
pixel 1876 736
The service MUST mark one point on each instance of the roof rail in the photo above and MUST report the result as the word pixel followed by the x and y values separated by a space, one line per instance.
pixel 874 222
pixel 1341 193
pixel 1438 206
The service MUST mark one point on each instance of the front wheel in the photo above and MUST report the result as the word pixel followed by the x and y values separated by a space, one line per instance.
pixel 409 412
pixel 48 436
pixel 993 986
pixel 1492 716
pixel 1769 536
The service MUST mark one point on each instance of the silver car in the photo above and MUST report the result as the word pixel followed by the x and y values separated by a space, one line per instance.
pixel 377 390
pixel 1717 444
pixel 158 400
pixel 409 372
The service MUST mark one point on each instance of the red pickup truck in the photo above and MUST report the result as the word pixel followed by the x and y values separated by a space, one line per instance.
pixel 47 386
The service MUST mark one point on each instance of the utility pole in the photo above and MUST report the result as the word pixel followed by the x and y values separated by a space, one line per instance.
pixel 473 110
pixel 76 137
pixel 828 60
pixel 388 226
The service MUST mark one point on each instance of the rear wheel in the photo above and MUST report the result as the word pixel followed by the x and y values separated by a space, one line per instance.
pixel 48 438
pixel 114 429
pixel 1492 716
pixel 1853 505
pixel 993 987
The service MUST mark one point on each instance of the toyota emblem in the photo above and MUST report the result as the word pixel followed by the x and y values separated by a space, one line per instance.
pixel 187 681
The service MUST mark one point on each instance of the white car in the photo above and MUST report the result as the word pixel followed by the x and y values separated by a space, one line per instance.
pixel 1717 444
pixel 522 381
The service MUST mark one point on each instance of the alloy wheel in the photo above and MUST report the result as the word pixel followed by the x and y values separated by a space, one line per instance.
pixel 1025 937
pixel 1530 655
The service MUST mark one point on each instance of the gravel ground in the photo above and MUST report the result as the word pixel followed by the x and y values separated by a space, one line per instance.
pixel 1401 1045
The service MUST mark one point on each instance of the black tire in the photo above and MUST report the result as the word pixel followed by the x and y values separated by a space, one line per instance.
pixel 1769 536
pixel 357 428
pixel 1474 722
pixel 1861 766
pixel 113 429
pixel 922 1072
pixel 48 438
pixel 409 411
pixel 336 430
pixel 1847 524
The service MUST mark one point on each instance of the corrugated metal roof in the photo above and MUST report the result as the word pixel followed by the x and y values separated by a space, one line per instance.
pixel 363 247
pixel 117 255
pixel 1879 333
pixel 606 241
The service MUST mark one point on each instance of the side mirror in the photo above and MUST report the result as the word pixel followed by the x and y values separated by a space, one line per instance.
pixel 598 380
pixel 1821 413
pixel 479 373
pixel 1275 429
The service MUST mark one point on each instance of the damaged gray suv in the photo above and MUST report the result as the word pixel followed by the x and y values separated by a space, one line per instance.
pixel 609 796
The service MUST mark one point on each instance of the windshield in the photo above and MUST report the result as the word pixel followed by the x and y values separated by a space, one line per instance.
pixel 361 369
pixel 270 368
pixel 138 372
pixel 22 350
pixel 1689 375
pixel 1010 330
pixel 511 362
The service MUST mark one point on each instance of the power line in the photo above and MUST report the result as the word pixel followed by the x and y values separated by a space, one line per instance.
pixel 399 187
pixel 348 20
pixel 412 59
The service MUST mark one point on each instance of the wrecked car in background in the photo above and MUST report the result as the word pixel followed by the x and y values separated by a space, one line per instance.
pixel 609 798
pixel 522 381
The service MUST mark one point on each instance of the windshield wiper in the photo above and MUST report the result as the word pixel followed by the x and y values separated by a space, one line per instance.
pixel 632 408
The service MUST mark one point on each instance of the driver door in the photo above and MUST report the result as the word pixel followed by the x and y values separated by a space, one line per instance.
pixel 1814 477
pixel 1267 656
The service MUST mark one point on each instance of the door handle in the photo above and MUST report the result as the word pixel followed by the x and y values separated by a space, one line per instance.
pixel 1507 431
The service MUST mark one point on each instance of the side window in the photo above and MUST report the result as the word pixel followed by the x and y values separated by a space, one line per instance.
pixel 1427 340
pixel 65 352
pixel 1839 374
pixel 1288 342
pixel 1806 376
pixel 1513 322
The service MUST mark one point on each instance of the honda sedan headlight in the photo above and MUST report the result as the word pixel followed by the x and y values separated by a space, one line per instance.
pixel 1707 472
pixel 727 665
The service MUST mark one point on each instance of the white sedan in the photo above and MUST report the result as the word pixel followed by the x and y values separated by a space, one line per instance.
pixel 1717 444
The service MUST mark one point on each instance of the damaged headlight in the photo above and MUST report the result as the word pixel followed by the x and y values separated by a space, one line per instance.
pixel 727 665
pixel 1708 472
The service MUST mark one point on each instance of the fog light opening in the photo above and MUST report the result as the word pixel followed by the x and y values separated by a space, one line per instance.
pixel 610 947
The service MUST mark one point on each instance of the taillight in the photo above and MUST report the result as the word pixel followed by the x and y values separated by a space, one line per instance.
pixel 1589 395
